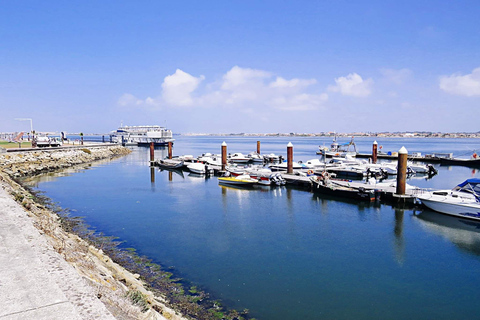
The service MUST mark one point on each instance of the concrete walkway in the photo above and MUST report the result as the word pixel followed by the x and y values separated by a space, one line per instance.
pixel 35 281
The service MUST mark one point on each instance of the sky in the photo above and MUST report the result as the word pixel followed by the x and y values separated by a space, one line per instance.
pixel 240 66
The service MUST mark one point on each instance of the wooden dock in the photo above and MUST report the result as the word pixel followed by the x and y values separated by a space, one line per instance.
pixel 385 192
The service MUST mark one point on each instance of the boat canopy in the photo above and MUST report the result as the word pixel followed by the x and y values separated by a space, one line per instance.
pixel 470 186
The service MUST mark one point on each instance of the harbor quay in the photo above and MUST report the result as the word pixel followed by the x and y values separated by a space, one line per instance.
pixel 51 273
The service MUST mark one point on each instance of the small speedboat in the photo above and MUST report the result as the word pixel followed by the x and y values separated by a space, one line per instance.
pixel 283 166
pixel 462 201
pixel 238 158
pixel 170 164
pixel 198 168
pixel 421 168
pixel 241 180
pixel 314 164
pixel 271 157
pixel 261 174
pixel 255 157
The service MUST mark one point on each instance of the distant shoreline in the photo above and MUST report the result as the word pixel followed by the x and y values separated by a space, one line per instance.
pixel 452 135
pixel 332 135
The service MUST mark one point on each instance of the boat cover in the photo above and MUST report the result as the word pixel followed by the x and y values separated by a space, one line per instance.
pixel 470 185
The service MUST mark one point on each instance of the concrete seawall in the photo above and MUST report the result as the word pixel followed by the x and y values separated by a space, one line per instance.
pixel 48 273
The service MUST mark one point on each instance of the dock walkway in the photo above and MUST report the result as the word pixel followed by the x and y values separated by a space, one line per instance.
pixel 383 190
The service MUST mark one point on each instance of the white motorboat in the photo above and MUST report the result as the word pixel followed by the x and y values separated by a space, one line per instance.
pixel 241 180
pixel 314 164
pixel 255 157
pixel 283 166
pixel 205 157
pixel 263 175
pixel 271 157
pixel 238 158
pixel 421 168
pixel 212 159
pixel 197 167
pixel 462 201
pixel 346 159
pixel 186 157
pixel 171 163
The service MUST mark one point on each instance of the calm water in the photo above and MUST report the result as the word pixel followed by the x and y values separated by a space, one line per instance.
pixel 285 253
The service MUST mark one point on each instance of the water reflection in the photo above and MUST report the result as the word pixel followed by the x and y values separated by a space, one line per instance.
pixel 399 243
pixel 241 194
pixel 152 176
pixel 34 181
pixel 463 233
pixel 171 172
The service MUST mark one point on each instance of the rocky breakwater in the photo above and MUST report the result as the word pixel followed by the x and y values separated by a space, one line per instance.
pixel 19 164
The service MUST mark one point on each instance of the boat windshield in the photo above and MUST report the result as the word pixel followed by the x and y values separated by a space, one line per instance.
pixel 470 186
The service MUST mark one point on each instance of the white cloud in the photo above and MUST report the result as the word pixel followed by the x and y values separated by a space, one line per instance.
pixel 243 77
pixel 396 76
pixel 283 83
pixel 242 88
pixel 467 85
pixel 352 85
pixel 128 99
pixel 178 87
pixel 299 102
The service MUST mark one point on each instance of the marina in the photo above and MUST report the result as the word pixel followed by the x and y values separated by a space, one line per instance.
pixel 284 252
pixel 315 176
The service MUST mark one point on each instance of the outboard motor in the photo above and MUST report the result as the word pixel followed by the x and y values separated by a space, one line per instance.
pixel 431 170
pixel 369 173
pixel 383 173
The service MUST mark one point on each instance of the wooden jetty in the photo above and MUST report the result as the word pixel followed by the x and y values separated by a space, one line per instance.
pixel 386 192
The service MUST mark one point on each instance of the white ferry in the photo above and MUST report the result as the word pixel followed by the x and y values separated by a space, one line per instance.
pixel 142 135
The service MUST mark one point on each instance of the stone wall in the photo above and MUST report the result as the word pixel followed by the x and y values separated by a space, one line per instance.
pixel 18 164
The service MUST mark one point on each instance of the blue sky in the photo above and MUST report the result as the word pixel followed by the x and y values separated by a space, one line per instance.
pixel 240 66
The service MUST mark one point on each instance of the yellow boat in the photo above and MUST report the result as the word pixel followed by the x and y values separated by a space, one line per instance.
pixel 242 180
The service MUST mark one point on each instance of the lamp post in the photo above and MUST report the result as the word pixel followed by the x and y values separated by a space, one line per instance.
pixel 34 143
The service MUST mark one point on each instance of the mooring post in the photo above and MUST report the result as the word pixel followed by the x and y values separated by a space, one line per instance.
pixel 258 147
pixel 169 149
pixel 289 157
pixel 374 152
pixel 152 152
pixel 402 171
pixel 224 155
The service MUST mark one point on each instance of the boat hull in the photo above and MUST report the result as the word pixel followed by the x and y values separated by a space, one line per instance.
pixel 472 163
pixel 357 194
pixel 236 182
pixel 198 168
pixel 464 210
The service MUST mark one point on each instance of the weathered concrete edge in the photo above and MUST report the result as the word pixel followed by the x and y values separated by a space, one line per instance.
pixel 111 280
